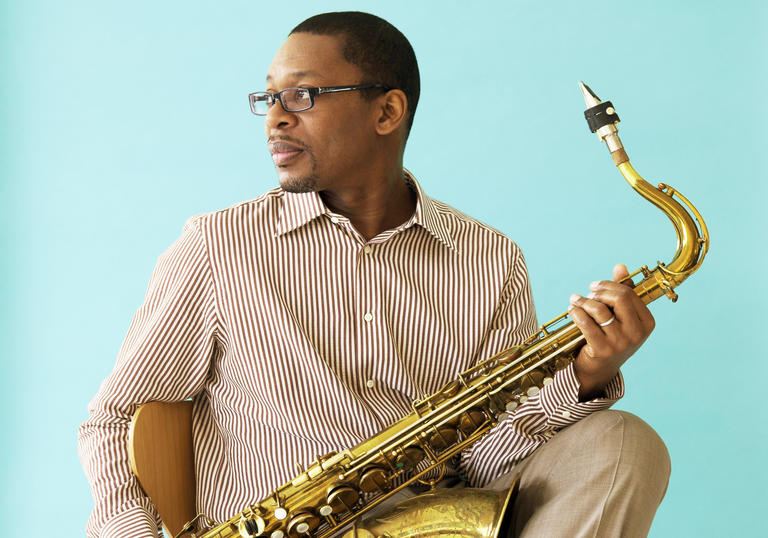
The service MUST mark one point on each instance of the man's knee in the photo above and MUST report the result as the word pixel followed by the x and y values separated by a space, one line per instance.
pixel 609 470
pixel 637 431
pixel 641 439
pixel 640 454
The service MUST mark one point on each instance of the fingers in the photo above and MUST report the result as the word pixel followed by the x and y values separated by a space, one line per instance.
pixel 604 338
pixel 620 274
pixel 624 302
pixel 620 298
pixel 593 333
pixel 615 322
pixel 631 326
pixel 598 311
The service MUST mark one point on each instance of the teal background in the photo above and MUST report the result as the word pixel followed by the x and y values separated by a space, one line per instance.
pixel 120 120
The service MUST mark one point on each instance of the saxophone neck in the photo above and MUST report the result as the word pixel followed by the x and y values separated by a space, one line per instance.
pixel 692 234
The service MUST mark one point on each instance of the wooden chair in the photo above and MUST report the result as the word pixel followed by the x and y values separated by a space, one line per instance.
pixel 161 452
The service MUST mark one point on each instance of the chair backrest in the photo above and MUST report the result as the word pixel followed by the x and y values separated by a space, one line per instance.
pixel 161 451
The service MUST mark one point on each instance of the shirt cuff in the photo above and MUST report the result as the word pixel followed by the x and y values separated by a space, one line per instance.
pixel 135 522
pixel 560 400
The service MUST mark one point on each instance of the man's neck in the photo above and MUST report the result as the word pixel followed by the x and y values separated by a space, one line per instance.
pixel 375 205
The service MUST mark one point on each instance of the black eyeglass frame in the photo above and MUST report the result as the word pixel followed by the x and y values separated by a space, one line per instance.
pixel 313 92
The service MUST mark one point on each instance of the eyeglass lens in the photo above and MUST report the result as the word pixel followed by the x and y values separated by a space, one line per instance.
pixel 293 99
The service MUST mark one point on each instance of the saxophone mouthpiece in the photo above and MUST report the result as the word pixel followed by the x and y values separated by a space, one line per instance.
pixel 590 98
pixel 602 119
pixel 598 113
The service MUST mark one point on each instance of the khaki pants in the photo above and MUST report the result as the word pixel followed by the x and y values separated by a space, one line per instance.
pixel 604 476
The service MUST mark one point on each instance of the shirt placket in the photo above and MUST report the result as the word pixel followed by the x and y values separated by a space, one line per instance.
pixel 359 377
pixel 372 365
pixel 368 320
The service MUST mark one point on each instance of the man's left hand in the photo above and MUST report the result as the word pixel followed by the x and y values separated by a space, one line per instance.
pixel 608 343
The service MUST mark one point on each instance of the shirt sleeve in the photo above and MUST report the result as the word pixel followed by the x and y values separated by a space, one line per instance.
pixel 535 422
pixel 165 357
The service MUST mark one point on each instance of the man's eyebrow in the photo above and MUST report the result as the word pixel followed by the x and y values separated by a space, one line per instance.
pixel 298 74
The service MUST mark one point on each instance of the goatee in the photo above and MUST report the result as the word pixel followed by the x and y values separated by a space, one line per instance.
pixel 299 184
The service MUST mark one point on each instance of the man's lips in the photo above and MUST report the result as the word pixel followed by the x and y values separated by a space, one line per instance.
pixel 284 152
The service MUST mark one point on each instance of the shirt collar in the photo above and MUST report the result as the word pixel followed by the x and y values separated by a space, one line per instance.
pixel 298 209
pixel 427 215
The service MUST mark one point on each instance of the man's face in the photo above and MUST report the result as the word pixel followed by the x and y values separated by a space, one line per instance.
pixel 323 147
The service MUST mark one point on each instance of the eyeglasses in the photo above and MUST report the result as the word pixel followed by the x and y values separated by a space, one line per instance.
pixel 298 99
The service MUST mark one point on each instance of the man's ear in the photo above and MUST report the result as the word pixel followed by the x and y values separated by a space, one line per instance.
pixel 391 111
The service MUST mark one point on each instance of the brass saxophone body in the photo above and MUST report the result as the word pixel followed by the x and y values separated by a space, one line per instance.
pixel 336 490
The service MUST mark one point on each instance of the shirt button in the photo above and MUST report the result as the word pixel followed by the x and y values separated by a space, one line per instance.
pixel 565 414
pixel 368 316
pixel 335 220
pixel 367 249
pixel 370 383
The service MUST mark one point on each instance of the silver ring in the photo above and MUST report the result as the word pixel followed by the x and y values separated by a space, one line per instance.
pixel 606 323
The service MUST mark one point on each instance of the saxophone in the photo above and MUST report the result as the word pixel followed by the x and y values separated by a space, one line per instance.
pixel 332 493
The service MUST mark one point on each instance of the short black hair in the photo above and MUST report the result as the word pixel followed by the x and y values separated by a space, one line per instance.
pixel 380 50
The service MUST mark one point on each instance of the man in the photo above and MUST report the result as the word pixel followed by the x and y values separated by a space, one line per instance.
pixel 308 319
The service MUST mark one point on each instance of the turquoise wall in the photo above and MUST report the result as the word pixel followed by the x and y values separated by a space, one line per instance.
pixel 119 120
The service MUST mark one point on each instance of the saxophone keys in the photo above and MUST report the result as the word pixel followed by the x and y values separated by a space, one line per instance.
pixel 341 498
pixel 536 378
pixel 373 479
pixel 509 355
pixel 302 524
pixel 530 383
pixel 280 513
pixel 250 527
pixel 471 420
pixel 443 437
pixel 450 389
pixel 409 457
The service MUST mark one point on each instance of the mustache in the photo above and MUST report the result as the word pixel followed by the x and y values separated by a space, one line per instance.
pixel 285 143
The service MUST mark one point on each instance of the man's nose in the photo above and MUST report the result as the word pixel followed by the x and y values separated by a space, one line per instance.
pixel 278 118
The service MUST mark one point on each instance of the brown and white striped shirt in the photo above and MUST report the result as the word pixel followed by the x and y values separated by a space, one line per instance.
pixel 295 336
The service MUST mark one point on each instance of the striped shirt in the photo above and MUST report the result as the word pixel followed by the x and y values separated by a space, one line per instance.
pixel 296 337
